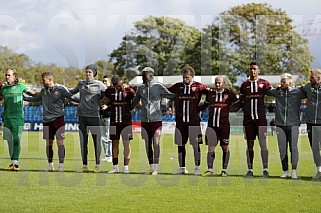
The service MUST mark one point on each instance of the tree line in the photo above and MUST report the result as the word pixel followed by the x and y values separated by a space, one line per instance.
pixel 245 33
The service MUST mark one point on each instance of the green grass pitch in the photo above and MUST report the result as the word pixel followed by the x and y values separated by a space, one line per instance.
pixel 33 189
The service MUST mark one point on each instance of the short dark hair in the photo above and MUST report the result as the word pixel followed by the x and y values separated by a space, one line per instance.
pixel 106 76
pixel 115 79
pixel 255 63
pixel 47 74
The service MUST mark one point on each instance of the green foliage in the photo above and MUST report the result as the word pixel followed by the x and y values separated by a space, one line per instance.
pixel 257 32
pixel 245 33
pixel 158 42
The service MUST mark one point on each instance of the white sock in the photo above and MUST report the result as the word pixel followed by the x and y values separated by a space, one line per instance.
pixel 265 169
pixel 115 166
pixel 155 167
pixel 151 166
pixel 126 167
pixel 293 171
pixel 51 164
pixel 61 165
pixel 210 170
pixel 319 168
pixel 251 170
pixel 14 162
pixel 223 170
pixel 97 165
pixel 197 167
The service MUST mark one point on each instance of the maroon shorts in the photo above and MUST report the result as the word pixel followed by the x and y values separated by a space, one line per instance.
pixel 151 129
pixel 255 128
pixel 123 129
pixel 184 131
pixel 215 134
pixel 54 128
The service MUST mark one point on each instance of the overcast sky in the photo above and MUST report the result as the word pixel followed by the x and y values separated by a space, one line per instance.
pixel 78 32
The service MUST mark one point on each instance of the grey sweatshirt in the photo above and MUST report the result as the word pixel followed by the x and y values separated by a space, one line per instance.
pixel 288 103
pixel 313 94
pixel 52 101
pixel 90 93
pixel 151 95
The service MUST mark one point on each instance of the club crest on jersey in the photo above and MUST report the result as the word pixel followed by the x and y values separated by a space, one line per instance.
pixel 225 96
pixel 144 91
pixel 56 93
pixel 193 89
pixel 14 87
pixel 124 94
pixel 261 85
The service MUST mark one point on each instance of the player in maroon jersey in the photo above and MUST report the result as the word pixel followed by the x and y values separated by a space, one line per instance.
pixel 188 96
pixel 120 100
pixel 252 94
pixel 219 101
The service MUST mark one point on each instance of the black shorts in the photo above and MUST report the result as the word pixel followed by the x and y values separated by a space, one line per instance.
pixel 255 128
pixel 184 131
pixel 54 128
pixel 123 129
pixel 215 134
pixel 151 129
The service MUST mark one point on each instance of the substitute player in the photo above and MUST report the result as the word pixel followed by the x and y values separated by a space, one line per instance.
pixel 52 98
pixel 252 93
pixel 219 101
pixel 120 100
pixel 150 93
pixel 90 93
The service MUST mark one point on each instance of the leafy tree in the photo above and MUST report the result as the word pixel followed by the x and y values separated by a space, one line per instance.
pixel 257 32
pixel 158 42
pixel 20 62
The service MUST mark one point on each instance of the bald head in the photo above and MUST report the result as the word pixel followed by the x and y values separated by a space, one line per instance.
pixel 219 83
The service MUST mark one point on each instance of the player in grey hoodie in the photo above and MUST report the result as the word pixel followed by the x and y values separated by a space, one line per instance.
pixel 150 93
pixel 90 92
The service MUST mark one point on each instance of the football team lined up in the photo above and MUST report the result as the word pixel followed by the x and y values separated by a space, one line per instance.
pixel 96 98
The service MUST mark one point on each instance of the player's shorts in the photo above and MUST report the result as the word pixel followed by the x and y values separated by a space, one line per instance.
pixel 215 134
pixel 255 128
pixel 123 129
pixel 54 128
pixel 151 129
pixel 185 131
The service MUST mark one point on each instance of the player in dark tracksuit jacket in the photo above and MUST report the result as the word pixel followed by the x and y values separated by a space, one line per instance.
pixel 312 90
pixel 287 119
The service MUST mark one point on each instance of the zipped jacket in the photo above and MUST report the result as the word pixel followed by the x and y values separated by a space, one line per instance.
pixel 288 103
pixel 313 94
pixel 151 94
